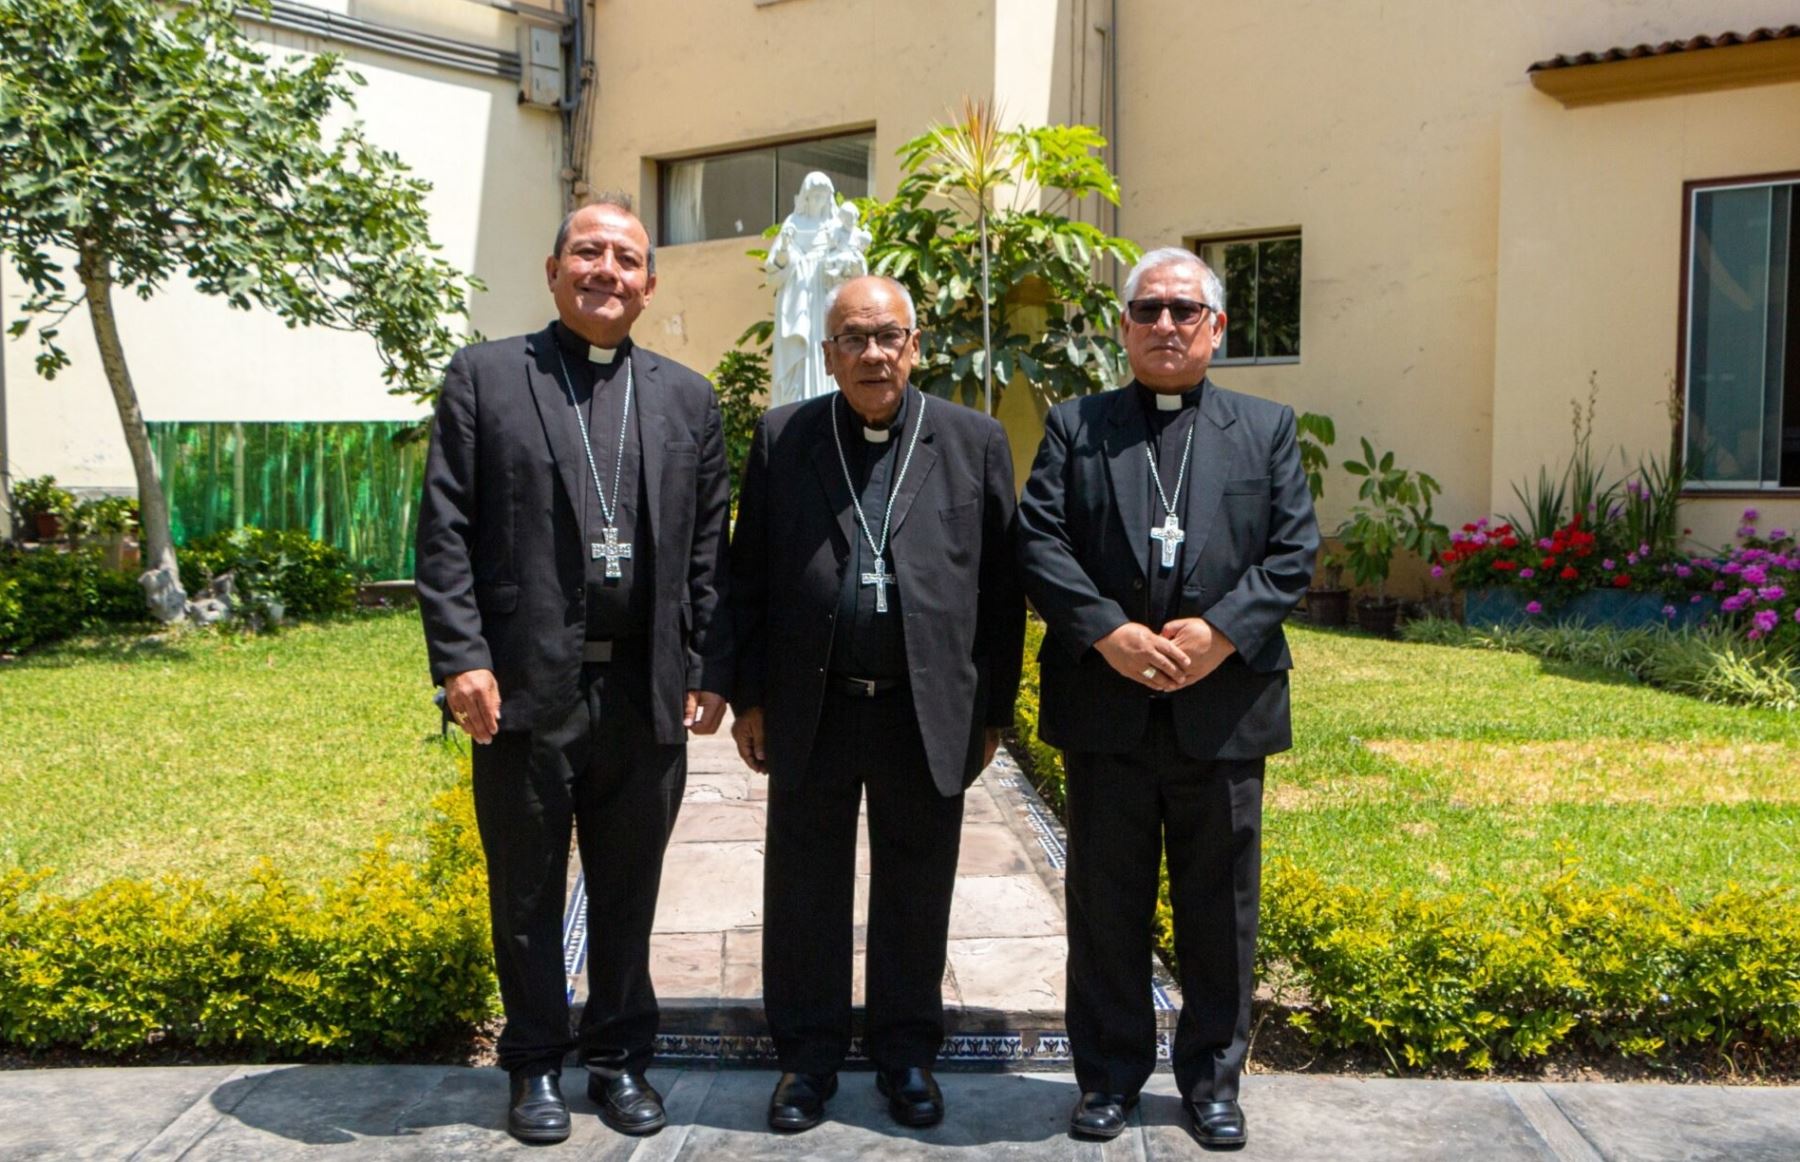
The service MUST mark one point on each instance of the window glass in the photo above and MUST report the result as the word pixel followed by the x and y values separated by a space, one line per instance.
pixel 1262 296
pixel 1743 390
pixel 740 194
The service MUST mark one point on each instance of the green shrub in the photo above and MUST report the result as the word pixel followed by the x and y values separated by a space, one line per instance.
pixel 47 595
pixel 392 955
pixel 1633 970
pixel 1712 662
pixel 280 572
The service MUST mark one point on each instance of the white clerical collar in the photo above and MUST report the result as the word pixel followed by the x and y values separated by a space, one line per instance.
pixel 601 354
pixel 876 435
pixel 1167 402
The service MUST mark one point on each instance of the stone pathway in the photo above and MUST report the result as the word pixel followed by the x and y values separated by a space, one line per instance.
pixel 1003 986
pixel 273 1113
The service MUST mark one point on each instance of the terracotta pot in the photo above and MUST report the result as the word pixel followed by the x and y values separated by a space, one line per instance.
pixel 1378 617
pixel 49 526
pixel 1328 606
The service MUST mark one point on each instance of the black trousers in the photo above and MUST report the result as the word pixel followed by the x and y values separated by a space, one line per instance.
pixel 1123 810
pixel 809 890
pixel 601 771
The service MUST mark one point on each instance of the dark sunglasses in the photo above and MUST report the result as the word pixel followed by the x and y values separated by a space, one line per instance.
pixel 1182 312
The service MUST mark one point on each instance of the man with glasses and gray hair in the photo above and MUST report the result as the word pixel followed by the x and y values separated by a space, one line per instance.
pixel 1164 534
pixel 879 625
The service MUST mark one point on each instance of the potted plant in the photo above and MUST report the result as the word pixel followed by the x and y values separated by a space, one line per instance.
pixel 1328 603
pixel 108 521
pixel 44 509
pixel 1393 512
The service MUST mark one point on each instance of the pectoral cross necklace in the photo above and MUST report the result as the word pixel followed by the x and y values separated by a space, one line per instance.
pixel 610 547
pixel 878 576
pixel 1169 533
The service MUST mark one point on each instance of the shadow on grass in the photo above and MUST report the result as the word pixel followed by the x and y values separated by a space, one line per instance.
pixel 128 644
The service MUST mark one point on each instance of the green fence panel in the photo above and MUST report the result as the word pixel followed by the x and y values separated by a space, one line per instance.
pixel 349 484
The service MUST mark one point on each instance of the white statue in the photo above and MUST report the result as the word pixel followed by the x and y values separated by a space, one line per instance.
pixel 820 245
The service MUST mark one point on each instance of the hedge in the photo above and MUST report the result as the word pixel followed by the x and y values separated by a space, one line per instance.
pixel 1514 975
pixel 392 955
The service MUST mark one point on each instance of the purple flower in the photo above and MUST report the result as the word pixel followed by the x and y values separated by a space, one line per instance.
pixel 1766 620
pixel 1750 515
pixel 1527 573
pixel 1778 534
pixel 1734 603
pixel 1733 567
pixel 1754 634
pixel 1607 564
pixel 1437 570
pixel 1755 575
pixel 1718 586
pixel 1631 558
pixel 1797 615
pixel 1696 599
pixel 1545 543
pixel 1534 607
pixel 1771 593
pixel 1746 530
pixel 1643 550
pixel 1668 611
pixel 1683 571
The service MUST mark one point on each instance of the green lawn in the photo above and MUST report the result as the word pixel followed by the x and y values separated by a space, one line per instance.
pixel 199 757
pixel 1439 768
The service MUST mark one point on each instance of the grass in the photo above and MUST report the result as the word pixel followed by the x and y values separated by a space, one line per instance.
pixel 1447 769
pixel 125 756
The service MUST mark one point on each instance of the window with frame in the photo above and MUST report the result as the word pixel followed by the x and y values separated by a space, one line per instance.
pixel 1262 297
pixel 742 193
pixel 1742 373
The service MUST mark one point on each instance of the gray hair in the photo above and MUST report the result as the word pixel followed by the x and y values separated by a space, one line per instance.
pixel 1212 291
pixel 912 316
pixel 618 200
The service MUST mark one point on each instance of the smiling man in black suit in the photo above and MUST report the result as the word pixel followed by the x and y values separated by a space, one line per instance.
pixel 570 572
pixel 1165 533
pixel 880 625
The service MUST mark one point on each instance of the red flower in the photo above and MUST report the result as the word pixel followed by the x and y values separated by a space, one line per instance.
pixel 1506 566
pixel 1509 542
pixel 1548 563
pixel 1568 573
pixel 1621 580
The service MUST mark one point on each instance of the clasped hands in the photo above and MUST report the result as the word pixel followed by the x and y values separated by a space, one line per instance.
pixel 473 698
pixel 1187 650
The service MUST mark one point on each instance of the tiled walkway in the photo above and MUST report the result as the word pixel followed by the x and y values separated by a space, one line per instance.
pixel 1003 987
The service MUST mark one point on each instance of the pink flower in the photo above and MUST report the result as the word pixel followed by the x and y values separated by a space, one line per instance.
pixel 1608 563
pixel 1545 542
pixel 1755 575
pixel 1778 534
pixel 1750 515
pixel 1696 599
pixel 1771 593
pixel 1527 574
pixel 1534 607
pixel 1668 611
pixel 1683 571
pixel 1766 620
pixel 1437 570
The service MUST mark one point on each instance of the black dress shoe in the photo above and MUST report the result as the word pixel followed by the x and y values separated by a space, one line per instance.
pixel 799 1100
pixel 913 1096
pixel 628 1103
pixel 1219 1124
pixel 1100 1115
pixel 538 1112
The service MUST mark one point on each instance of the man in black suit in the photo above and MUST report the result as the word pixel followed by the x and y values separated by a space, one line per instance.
pixel 570 573
pixel 880 625
pixel 1165 532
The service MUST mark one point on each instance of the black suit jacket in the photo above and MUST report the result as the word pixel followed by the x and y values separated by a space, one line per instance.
pixel 500 551
pixel 1084 543
pixel 951 552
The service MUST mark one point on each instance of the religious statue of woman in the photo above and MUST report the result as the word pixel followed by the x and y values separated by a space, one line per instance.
pixel 820 245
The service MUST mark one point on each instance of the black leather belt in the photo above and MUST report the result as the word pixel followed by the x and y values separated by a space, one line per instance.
pixel 863 687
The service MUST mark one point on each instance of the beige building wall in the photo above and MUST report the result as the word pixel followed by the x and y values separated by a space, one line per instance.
pixel 1591 270
pixel 1462 234
pixel 495 203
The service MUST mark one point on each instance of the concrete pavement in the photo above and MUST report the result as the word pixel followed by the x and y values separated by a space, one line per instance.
pixel 276 1113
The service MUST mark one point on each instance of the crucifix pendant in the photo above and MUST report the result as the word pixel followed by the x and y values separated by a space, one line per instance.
pixel 1171 536
pixel 881 579
pixel 614 550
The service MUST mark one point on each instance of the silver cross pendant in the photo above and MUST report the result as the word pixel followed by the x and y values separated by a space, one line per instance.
pixel 881 579
pixel 613 550
pixel 1171 536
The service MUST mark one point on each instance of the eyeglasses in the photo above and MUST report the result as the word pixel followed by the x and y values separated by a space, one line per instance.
pixel 1182 312
pixel 853 343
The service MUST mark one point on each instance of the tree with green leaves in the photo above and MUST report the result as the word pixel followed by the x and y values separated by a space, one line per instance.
pixel 140 140
pixel 980 215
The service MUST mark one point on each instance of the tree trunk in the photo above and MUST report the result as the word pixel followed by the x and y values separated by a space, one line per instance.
pixel 987 326
pixel 161 579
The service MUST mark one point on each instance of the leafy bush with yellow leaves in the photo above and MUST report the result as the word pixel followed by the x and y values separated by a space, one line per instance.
pixel 391 955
